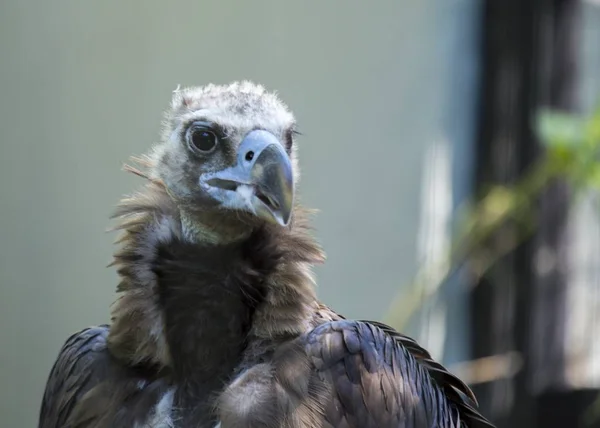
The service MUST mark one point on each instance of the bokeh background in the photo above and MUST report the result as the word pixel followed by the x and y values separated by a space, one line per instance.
pixel 414 112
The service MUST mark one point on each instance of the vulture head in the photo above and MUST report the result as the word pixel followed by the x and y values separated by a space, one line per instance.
pixel 227 159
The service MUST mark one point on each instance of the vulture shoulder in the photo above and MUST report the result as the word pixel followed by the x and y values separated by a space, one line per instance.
pixel 88 387
pixel 378 377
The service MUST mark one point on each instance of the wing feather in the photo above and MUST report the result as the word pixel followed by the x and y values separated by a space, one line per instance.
pixel 76 370
pixel 87 387
pixel 381 378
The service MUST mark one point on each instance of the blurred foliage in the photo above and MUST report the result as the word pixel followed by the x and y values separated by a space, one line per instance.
pixel 572 153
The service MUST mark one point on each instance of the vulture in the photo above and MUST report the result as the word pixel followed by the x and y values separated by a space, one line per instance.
pixel 216 322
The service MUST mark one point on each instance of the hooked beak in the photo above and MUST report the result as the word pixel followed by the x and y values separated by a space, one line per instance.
pixel 261 182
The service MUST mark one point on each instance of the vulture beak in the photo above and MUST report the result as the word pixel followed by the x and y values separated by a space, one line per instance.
pixel 261 182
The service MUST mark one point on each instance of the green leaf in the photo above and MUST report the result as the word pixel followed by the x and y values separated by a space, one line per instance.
pixel 497 204
pixel 594 177
pixel 561 155
pixel 560 129
pixel 593 129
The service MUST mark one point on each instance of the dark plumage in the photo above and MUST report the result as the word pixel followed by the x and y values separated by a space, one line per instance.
pixel 217 323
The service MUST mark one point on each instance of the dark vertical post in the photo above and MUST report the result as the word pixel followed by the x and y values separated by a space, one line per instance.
pixel 505 148
pixel 528 62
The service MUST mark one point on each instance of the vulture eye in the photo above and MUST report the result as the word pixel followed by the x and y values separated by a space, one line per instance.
pixel 201 138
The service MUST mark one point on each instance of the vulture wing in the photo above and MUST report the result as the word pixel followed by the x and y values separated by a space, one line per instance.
pixel 380 378
pixel 88 387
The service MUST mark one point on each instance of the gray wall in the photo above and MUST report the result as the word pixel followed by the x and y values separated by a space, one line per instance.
pixel 84 85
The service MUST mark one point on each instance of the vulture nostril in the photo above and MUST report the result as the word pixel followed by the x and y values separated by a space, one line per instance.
pixel 249 155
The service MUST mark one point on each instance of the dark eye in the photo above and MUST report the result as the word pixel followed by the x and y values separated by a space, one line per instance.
pixel 201 138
